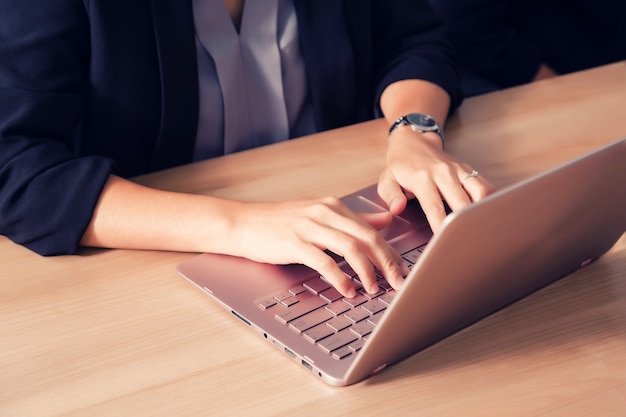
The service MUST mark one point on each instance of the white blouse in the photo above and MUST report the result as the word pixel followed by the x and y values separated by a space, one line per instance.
pixel 253 88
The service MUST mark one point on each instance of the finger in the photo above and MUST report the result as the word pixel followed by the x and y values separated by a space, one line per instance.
pixel 351 250
pixel 432 205
pixel 392 193
pixel 478 187
pixel 328 269
pixel 381 254
pixel 395 273
pixel 344 239
pixel 453 193
pixel 346 234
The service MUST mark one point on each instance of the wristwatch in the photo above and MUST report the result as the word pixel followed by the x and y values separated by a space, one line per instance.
pixel 419 122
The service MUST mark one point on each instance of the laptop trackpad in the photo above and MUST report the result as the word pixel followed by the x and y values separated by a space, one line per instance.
pixel 398 226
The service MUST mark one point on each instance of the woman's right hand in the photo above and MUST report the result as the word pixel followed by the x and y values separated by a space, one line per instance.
pixel 301 232
pixel 132 216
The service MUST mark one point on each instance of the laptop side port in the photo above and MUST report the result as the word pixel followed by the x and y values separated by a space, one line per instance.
pixel 290 353
pixel 241 317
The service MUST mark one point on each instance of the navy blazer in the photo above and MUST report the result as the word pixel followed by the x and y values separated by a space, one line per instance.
pixel 505 41
pixel 94 87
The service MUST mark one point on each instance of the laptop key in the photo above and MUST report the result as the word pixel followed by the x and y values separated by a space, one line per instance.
pixel 331 295
pixel 317 333
pixel 375 319
pixel 358 286
pixel 298 289
pixel 289 301
pixel 371 296
pixel 337 340
pixel 412 255
pixel 382 283
pixel 338 307
pixel 373 306
pixel 357 345
pixel 342 352
pixel 310 319
pixel 357 315
pixel 362 328
pixel 387 298
pixel 339 323
pixel 266 303
pixel 358 300
pixel 287 314
pixel 347 269
pixel 282 296
pixel 317 285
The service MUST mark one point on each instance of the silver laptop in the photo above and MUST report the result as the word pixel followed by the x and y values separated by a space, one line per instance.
pixel 483 258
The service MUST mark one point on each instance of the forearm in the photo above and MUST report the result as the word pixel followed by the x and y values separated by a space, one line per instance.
pixel 414 96
pixel 132 216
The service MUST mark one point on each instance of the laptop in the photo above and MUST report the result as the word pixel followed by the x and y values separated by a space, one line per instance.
pixel 484 257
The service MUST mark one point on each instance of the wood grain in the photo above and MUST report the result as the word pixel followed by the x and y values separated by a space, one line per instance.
pixel 112 332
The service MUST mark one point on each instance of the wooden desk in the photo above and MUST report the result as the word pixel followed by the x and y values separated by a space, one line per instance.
pixel 119 333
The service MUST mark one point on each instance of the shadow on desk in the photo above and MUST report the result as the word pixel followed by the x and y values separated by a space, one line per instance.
pixel 85 252
pixel 581 309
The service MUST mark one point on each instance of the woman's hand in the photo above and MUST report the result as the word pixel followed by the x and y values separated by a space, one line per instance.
pixel 418 167
pixel 132 216
pixel 301 231
pixel 416 164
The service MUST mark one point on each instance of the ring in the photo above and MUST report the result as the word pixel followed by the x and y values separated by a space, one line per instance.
pixel 473 174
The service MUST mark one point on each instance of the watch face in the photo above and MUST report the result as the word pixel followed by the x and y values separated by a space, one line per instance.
pixel 421 120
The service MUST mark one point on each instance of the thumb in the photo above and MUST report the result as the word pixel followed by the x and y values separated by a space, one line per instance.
pixel 377 220
pixel 391 192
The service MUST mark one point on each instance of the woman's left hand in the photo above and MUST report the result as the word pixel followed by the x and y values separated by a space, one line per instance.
pixel 417 166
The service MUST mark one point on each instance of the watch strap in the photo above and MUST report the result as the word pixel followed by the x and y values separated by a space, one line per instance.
pixel 403 120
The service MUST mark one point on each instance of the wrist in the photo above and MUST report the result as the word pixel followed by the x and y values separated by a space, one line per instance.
pixel 410 142
pixel 419 122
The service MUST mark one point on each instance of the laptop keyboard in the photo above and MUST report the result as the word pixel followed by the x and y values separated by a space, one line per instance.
pixel 318 312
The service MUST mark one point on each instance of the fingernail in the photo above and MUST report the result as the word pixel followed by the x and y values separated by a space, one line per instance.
pixel 405 269
pixel 399 283
pixel 395 203
pixel 351 293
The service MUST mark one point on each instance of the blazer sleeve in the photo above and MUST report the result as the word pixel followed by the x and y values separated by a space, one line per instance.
pixel 47 193
pixel 410 43
pixel 485 35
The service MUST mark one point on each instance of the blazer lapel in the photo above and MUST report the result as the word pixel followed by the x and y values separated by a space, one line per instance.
pixel 175 37
pixel 329 59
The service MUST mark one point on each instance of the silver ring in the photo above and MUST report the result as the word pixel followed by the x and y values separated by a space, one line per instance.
pixel 473 174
